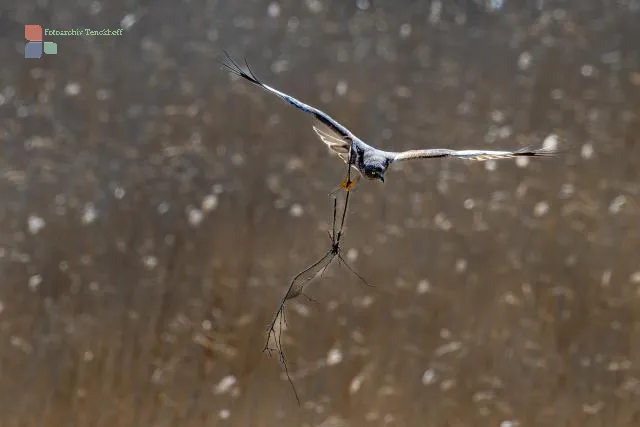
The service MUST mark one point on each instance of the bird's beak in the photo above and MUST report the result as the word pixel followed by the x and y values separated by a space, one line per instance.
pixel 382 178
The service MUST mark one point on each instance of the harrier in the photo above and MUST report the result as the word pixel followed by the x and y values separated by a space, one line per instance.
pixel 367 160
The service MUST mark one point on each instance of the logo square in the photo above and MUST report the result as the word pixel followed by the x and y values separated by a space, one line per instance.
pixel 33 33
pixel 33 50
pixel 50 48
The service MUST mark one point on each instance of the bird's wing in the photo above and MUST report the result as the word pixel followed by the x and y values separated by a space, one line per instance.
pixel 323 117
pixel 337 145
pixel 478 155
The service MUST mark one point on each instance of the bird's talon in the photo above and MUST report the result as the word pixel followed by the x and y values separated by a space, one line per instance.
pixel 347 184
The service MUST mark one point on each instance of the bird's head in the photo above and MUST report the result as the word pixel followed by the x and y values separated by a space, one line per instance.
pixel 375 169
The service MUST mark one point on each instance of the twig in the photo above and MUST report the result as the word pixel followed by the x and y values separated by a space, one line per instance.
pixel 316 269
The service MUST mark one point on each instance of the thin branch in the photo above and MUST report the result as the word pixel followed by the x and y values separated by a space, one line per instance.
pixel 298 282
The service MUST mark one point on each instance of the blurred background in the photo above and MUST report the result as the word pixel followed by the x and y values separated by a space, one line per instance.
pixel 154 210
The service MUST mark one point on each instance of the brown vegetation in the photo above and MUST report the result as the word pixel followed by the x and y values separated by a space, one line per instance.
pixel 154 210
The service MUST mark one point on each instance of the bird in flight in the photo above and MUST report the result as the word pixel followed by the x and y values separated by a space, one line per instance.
pixel 369 161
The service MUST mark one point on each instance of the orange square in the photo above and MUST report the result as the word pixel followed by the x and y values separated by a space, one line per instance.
pixel 33 33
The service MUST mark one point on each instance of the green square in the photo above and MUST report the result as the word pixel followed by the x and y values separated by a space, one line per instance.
pixel 50 48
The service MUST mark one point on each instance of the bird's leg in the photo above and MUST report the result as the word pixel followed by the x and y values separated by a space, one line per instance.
pixel 348 184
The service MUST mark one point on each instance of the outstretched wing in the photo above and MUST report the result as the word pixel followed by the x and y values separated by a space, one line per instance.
pixel 323 117
pixel 337 145
pixel 478 155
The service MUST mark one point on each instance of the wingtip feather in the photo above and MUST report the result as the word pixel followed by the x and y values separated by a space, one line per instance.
pixel 537 152
pixel 233 67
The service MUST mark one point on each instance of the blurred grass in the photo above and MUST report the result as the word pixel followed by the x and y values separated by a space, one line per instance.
pixel 504 297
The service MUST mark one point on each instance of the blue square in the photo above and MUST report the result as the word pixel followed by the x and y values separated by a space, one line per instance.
pixel 33 50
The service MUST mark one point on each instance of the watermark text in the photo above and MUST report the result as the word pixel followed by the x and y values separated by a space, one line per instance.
pixel 84 32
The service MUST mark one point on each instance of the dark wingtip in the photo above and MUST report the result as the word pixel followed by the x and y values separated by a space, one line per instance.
pixel 550 152
pixel 537 152
pixel 554 145
pixel 232 66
